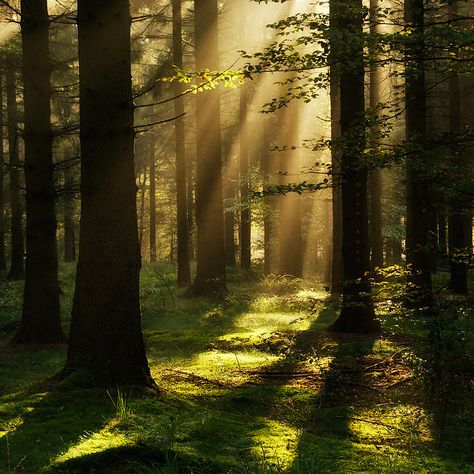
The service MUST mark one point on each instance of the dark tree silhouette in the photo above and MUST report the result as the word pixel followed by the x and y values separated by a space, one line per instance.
pixel 106 340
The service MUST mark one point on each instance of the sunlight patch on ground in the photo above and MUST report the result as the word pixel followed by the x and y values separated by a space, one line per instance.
pixel 269 322
pixel 276 442
pixel 216 361
pixel 90 443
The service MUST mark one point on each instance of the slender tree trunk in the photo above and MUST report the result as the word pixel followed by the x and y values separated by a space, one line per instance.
pixel 357 312
pixel 268 215
pixel 41 320
pixel 69 231
pixel 460 208
pixel 184 274
pixel 3 264
pixel 375 178
pixel 106 340
pixel 190 207
pixel 336 170
pixel 141 217
pixel 442 234
pixel 291 241
pixel 229 188
pixel 245 214
pixel 210 276
pixel 17 271
pixel 418 251
pixel 152 204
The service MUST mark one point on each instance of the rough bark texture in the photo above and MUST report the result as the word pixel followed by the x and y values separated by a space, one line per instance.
pixel 245 215
pixel 418 248
pixel 357 313
pixel 41 321
pixel 3 263
pixel 210 276
pixel 291 241
pixel 17 270
pixel 184 274
pixel 106 341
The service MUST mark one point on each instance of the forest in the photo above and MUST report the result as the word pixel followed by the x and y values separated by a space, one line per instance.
pixel 236 236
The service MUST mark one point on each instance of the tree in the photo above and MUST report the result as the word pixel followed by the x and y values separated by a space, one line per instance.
pixel 357 312
pixel 106 340
pixel 210 276
pixel 184 274
pixel 245 214
pixel 41 320
pixel 418 248
pixel 17 269
pixel 3 264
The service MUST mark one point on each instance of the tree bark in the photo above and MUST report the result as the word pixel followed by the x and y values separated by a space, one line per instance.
pixel 106 341
pixel 210 274
pixel 357 312
pixel 291 241
pixel 460 206
pixel 375 178
pixel 3 263
pixel 152 191
pixel 418 242
pixel 69 225
pixel 335 99
pixel 245 214
pixel 17 271
pixel 41 321
pixel 184 274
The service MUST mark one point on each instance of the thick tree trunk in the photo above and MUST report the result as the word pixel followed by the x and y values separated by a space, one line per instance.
pixel 418 242
pixel 152 191
pixel 3 264
pixel 106 340
pixel 245 214
pixel 41 320
pixel 184 274
pixel 291 241
pixel 442 234
pixel 17 270
pixel 69 225
pixel 210 276
pixel 357 313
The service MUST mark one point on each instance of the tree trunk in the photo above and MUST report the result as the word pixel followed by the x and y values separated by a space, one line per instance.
pixel 41 320
pixel 69 232
pixel 210 276
pixel 291 241
pixel 460 206
pixel 17 271
pixel 442 234
pixel 3 264
pixel 335 98
pixel 184 275
pixel 375 178
pixel 268 214
pixel 245 215
pixel 152 191
pixel 357 312
pixel 106 340
pixel 418 251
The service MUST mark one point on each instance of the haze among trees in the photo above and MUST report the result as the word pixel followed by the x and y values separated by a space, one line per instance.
pixel 236 236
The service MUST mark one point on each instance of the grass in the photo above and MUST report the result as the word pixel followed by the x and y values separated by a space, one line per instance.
pixel 253 384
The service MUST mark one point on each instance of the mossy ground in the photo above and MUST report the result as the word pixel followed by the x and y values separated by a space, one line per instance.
pixel 254 384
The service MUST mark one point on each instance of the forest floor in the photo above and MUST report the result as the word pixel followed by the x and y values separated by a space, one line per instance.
pixel 254 384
